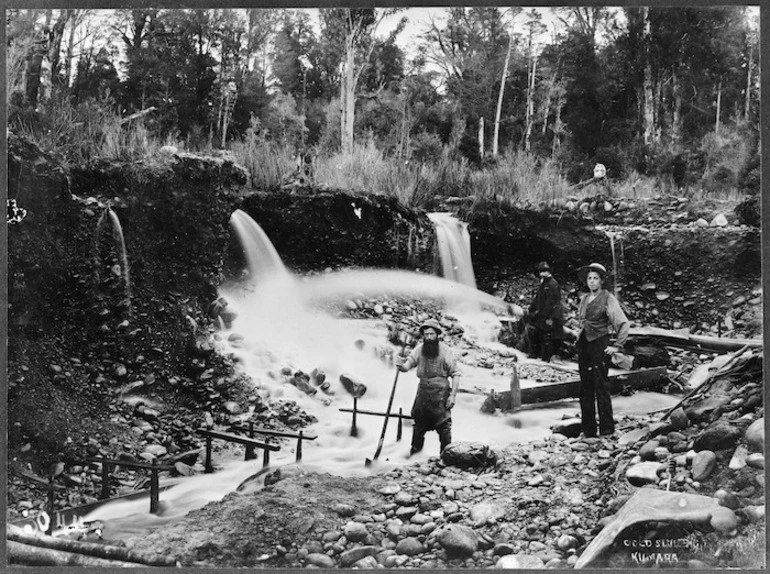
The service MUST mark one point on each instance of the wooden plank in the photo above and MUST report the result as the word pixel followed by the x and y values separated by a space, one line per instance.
pixel 132 464
pixel 376 414
pixel 271 432
pixel 639 379
pixel 236 438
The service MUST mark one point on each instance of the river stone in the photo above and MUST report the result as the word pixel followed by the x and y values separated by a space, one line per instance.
pixel 519 562
pixel 366 563
pixel 723 519
pixel 352 385
pixel 355 531
pixel 503 549
pixel 727 499
pixel 647 452
pixel 754 513
pixel 719 220
pixel 679 419
pixel 156 449
pixel 633 436
pixel 569 427
pixel 755 435
pixel 350 557
pixel 458 540
pixel 719 435
pixel 700 411
pixel 410 546
pixel 649 505
pixel 344 510
pixel 468 455
pixel 320 560
pixel 643 473
pixel 756 460
pixel 703 465
pixel 567 541
pixel 487 512
pixel 391 488
pixel 738 461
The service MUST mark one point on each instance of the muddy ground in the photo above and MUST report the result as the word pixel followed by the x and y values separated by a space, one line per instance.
pixel 85 326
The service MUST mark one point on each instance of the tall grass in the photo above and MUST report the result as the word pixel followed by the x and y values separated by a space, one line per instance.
pixel 79 133
pixel 268 163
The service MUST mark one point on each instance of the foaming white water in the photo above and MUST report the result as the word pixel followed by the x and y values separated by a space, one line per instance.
pixel 454 244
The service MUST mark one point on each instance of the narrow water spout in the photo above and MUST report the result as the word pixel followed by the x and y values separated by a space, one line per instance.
pixel 110 256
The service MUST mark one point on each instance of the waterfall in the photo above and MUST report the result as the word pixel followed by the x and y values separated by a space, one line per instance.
pixel 262 258
pixel 454 246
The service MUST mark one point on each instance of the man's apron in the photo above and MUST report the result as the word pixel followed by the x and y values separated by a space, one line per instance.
pixel 430 403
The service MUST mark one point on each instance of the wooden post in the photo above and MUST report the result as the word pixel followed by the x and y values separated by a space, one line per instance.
pixel 266 458
pixel 51 508
pixel 354 428
pixel 154 489
pixel 515 403
pixel 209 467
pixel 299 447
pixel 250 454
pixel 105 480
pixel 400 427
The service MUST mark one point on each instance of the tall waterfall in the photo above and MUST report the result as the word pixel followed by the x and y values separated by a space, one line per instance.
pixel 454 245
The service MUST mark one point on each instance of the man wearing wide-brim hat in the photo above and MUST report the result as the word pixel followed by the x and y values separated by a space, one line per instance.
pixel 598 312
pixel 436 365
pixel 546 316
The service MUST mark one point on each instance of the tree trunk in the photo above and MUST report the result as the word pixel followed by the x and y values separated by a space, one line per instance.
pixel 530 105
pixel 747 110
pixel 719 107
pixel 481 137
pixel 70 50
pixel 83 550
pixel 54 50
pixel 676 123
pixel 648 117
pixel 503 79
pixel 347 94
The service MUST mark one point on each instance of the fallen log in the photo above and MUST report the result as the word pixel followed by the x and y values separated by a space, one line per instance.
pixel 91 549
pixel 27 555
pixel 681 338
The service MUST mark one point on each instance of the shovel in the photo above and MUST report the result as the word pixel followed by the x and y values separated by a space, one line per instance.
pixel 387 415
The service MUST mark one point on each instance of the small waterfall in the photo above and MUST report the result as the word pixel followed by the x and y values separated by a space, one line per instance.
pixel 261 256
pixel 111 261
pixel 454 246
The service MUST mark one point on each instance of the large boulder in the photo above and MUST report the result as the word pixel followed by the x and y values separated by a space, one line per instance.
pixel 469 455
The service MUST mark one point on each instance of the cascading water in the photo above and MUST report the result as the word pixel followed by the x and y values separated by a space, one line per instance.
pixel 285 322
pixel 454 244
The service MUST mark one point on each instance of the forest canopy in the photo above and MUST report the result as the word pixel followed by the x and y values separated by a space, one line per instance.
pixel 513 102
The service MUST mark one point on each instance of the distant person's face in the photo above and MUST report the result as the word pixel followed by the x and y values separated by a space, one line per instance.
pixel 594 281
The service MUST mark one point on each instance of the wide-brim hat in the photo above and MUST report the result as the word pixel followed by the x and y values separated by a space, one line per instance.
pixel 586 269
pixel 430 324
pixel 542 266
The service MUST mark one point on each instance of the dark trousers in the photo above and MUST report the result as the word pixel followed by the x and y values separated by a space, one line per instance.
pixel 594 386
pixel 419 429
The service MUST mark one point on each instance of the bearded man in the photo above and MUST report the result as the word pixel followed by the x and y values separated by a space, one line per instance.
pixel 436 364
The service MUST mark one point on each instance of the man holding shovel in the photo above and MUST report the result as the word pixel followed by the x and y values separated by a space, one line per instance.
pixel 436 364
